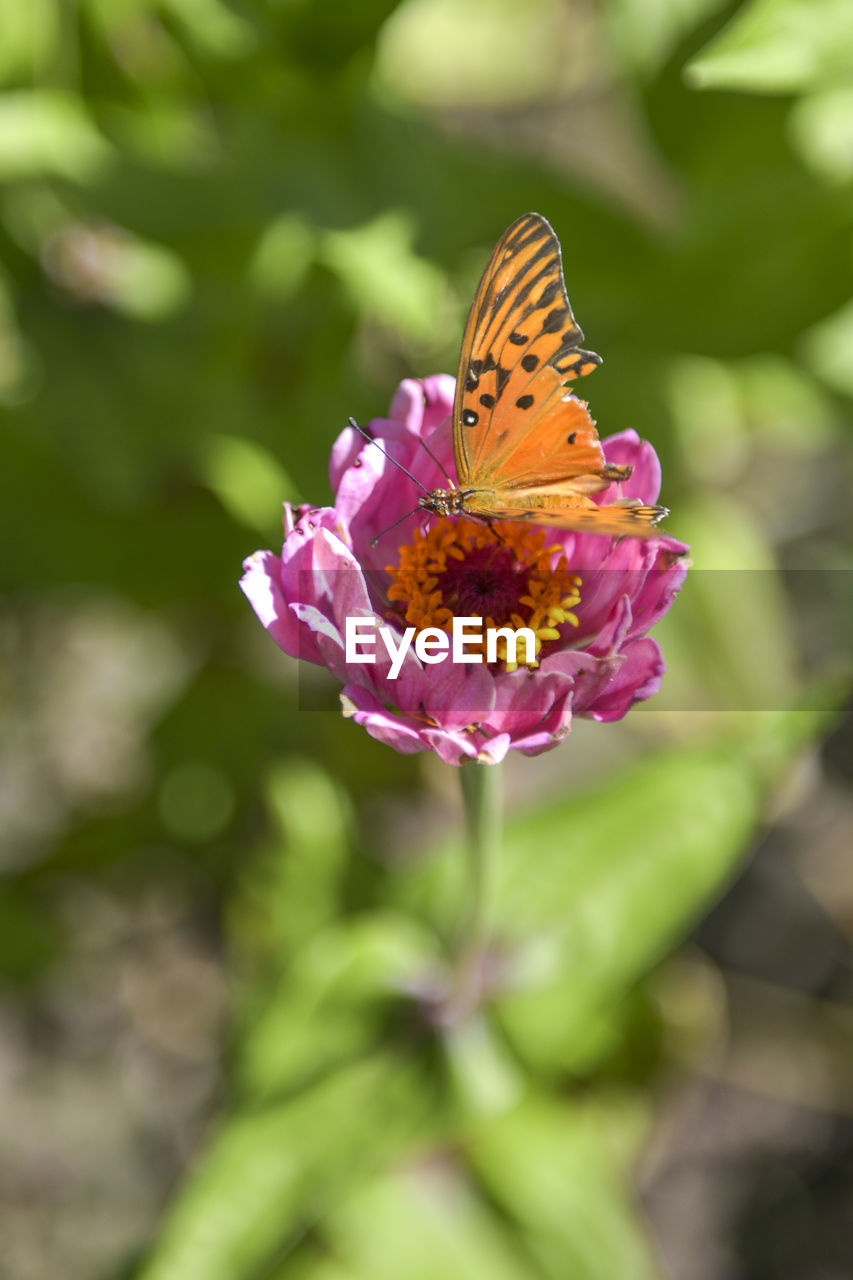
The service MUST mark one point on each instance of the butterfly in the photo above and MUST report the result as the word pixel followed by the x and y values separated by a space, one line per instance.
pixel 526 448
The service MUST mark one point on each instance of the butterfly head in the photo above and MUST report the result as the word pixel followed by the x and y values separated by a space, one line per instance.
pixel 444 502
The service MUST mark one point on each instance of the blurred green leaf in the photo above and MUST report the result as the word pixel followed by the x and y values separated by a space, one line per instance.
pixel 827 348
pixel 148 281
pixel 17 360
pixel 269 1174
pixel 214 26
pixel 28 36
pixel 425 1223
pixel 483 1073
pixel 332 1001
pixel 295 884
pixel 249 482
pixel 547 1166
pixel 646 31
pixel 486 51
pixel 611 882
pixel 785 406
pixel 47 131
pixel 384 275
pixel 705 406
pixel 283 256
pixel 778 46
pixel 730 644
pixel 596 889
pixel 821 128
pixel 171 134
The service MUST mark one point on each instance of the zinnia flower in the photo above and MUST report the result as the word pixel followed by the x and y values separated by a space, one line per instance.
pixel 589 600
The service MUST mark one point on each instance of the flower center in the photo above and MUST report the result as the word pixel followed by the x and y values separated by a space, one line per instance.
pixel 464 568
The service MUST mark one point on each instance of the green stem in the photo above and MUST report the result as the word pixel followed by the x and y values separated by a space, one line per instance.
pixel 481 797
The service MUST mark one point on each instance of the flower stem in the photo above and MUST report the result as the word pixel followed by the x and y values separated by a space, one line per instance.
pixel 481 798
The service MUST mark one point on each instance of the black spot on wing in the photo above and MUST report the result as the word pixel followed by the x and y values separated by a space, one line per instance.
pixel 555 320
pixel 549 293
pixel 529 362
pixel 487 401
pixel 524 402
pixel 470 418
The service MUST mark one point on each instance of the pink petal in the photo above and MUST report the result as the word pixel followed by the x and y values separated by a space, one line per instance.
pixel 459 694
pixel 636 675
pixel 261 584
pixel 551 732
pixel 362 706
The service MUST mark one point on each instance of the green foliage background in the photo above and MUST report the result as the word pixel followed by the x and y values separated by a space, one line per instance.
pixel 225 227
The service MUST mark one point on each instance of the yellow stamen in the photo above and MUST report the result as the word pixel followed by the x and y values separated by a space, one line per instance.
pixel 547 595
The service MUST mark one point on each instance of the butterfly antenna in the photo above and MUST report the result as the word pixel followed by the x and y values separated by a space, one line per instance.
pixel 373 541
pixel 439 464
pixel 362 431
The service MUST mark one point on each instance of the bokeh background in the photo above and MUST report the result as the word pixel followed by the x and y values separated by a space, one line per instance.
pixel 225 225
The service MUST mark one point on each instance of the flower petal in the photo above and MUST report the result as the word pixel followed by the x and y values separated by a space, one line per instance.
pixel 261 584
pixel 636 674
pixel 363 706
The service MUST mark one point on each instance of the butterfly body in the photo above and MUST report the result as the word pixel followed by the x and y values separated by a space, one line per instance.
pixel 526 448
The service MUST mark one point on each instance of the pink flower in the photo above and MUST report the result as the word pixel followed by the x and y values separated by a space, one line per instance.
pixel 590 600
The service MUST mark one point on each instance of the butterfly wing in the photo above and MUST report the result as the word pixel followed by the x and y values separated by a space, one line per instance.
pixel 563 510
pixel 514 424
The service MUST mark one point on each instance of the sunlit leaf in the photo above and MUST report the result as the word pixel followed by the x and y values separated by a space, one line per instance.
pixel 821 127
pixel 282 257
pixel 785 405
pixel 624 872
pixel 440 53
pixel 615 878
pixel 828 346
pixel 705 406
pixel 150 282
pixel 250 483
pixel 214 26
pixel 426 1222
pixel 28 36
pixel 548 1167
pixel 778 46
pixel 268 1174
pixel 168 134
pixel 46 131
pixel 332 1001
pixel 730 645
pixel 646 31
pixel 384 274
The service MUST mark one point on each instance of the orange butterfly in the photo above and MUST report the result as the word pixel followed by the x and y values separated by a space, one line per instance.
pixel 525 448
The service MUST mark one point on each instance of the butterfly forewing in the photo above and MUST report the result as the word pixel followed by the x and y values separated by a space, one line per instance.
pixel 513 419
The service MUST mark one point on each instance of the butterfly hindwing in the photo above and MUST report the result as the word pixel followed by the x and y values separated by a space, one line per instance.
pixel 568 511
pixel 513 419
